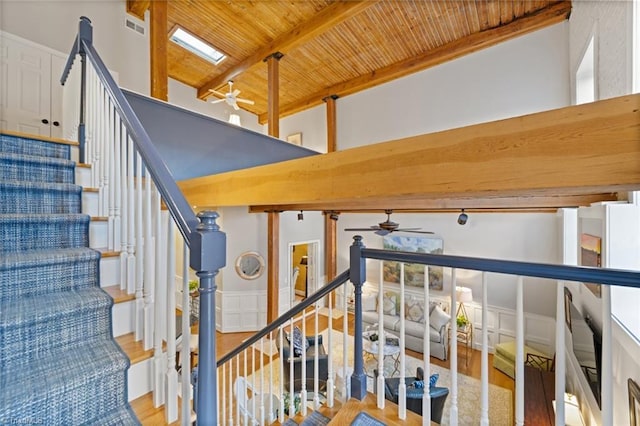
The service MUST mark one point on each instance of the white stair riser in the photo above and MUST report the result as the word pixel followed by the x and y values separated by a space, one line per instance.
pixel 75 154
pixel 90 203
pixel 109 271
pixel 140 378
pixel 122 315
pixel 83 176
pixel 98 234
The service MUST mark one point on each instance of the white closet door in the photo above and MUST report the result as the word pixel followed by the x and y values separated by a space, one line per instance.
pixel 25 88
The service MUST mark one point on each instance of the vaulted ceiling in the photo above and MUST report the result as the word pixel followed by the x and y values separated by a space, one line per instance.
pixel 336 48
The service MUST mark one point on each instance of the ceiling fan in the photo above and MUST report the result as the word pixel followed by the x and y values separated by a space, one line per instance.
pixel 231 97
pixel 387 227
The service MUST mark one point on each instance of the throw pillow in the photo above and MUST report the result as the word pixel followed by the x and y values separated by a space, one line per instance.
pixel 432 306
pixel 389 303
pixel 438 318
pixel 433 379
pixel 414 310
pixel 298 342
pixel 369 302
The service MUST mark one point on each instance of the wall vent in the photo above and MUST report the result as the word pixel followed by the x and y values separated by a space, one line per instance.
pixel 132 25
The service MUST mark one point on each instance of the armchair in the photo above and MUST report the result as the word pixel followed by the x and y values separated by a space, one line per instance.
pixel 414 395
pixel 323 367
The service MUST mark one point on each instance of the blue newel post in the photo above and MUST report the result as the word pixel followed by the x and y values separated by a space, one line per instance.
pixel 358 275
pixel 208 255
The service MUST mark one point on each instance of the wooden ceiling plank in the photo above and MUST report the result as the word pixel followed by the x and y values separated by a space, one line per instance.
pixel 578 150
pixel 323 21
pixel 472 43
pixel 137 8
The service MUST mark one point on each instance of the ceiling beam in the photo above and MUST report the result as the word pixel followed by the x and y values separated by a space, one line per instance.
pixel 329 17
pixel 158 49
pixel 550 15
pixel 516 203
pixel 138 7
pixel 578 150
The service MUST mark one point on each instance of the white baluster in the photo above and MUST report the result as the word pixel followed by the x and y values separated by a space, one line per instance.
pixel 380 386
pixel 560 364
pixel 316 363
pixel 222 414
pixel 331 374
pixel 402 386
pixel 237 396
pixel 303 391
pixel 453 416
pixel 281 390
pixel 607 358
pixel 129 213
pixel 484 362
pixel 159 358
pixel 185 354
pixel 171 408
pixel 253 384
pixel 149 272
pixel 426 350
pixel 118 182
pixel 291 371
pixel 139 253
pixel 229 398
pixel 111 172
pixel 519 353
pixel 244 394
pixel 104 193
pixel 271 378
pixel 262 392
pixel 121 216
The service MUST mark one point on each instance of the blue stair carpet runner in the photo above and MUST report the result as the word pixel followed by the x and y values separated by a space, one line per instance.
pixel 59 362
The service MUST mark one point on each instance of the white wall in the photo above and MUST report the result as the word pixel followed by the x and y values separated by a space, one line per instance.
pixel 55 24
pixel 612 25
pixel 313 125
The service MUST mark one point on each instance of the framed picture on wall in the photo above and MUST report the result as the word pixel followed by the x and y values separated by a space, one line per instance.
pixel 413 273
pixel 634 402
pixel 591 255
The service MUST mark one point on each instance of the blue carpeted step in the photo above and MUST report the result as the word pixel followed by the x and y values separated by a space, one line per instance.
pixel 21 232
pixel 28 146
pixel 122 416
pixel 37 197
pixel 32 326
pixel 33 169
pixel 48 271
pixel 68 387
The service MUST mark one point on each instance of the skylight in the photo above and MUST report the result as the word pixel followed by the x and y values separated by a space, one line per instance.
pixel 197 46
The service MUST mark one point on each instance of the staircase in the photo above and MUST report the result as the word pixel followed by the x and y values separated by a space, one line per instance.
pixel 59 361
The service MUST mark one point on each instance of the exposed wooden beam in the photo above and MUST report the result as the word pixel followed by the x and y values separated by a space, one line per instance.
pixel 542 203
pixel 331 248
pixel 273 259
pixel 138 7
pixel 158 49
pixel 578 150
pixel 550 15
pixel 329 17
pixel 332 128
pixel 273 94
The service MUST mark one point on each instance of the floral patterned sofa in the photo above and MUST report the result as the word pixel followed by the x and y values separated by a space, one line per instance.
pixel 414 320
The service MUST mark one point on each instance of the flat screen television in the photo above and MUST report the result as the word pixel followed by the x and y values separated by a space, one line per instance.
pixel 587 347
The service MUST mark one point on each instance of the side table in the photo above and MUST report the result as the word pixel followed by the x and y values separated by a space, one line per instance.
pixel 465 335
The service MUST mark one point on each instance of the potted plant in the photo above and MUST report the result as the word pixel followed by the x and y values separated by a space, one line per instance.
pixel 296 403
pixel 462 321
pixel 193 287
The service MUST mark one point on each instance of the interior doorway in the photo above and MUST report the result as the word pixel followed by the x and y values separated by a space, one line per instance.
pixel 303 261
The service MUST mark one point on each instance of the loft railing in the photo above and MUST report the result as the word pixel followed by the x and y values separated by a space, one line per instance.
pixel 133 181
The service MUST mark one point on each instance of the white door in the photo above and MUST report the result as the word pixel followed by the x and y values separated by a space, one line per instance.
pixel 26 89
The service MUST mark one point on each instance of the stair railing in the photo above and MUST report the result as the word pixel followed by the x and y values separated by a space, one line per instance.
pixel 133 182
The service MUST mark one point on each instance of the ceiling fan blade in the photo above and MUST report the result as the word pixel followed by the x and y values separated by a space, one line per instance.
pixel 245 101
pixel 218 101
pixel 236 93
pixel 416 232
pixel 382 232
pixel 235 106
pixel 407 229
pixel 361 229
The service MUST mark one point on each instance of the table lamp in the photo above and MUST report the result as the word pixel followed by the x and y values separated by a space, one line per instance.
pixel 463 295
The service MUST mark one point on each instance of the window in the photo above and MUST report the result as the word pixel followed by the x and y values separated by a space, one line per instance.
pixel 585 76
pixel 195 45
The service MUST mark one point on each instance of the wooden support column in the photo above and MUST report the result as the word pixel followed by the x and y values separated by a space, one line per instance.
pixel 330 247
pixel 158 54
pixel 273 98
pixel 273 264
pixel 332 128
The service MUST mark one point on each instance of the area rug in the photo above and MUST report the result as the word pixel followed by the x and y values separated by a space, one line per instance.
pixel 500 399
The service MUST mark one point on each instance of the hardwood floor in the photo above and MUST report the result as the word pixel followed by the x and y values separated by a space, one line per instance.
pixel 227 342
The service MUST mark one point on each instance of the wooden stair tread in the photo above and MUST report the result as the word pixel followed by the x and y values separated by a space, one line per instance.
pixel 105 252
pixel 99 219
pixel 89 189
pixel 39 137
pixel 134 350
pixel 118 295
pixel 150 415
pixel 388 415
